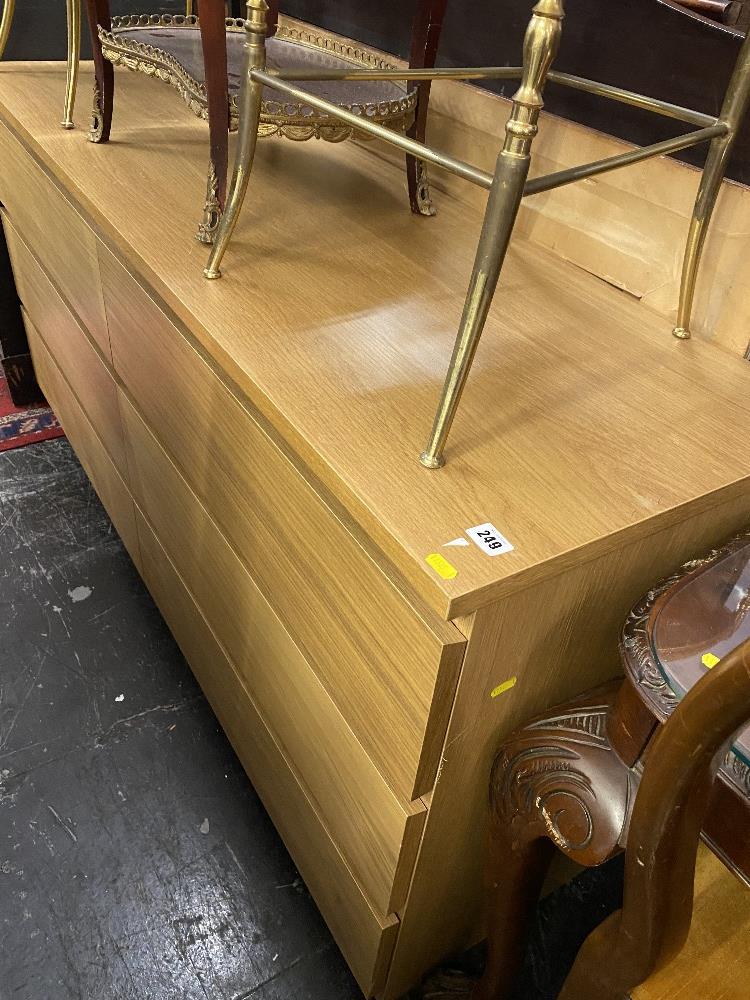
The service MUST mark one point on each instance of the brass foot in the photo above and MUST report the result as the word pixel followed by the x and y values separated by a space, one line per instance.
pixel 424 196
pixel 205 234
pixel 431 461
pixel 681 332
pixel 68 124
pixel 96 129
pixel 211 210
pixel 208 273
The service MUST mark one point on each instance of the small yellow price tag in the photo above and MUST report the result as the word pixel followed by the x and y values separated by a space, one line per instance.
pixel 441 566
pixel 505 686
pixel 709 660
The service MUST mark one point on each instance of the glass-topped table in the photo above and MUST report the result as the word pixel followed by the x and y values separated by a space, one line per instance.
pixel 699 620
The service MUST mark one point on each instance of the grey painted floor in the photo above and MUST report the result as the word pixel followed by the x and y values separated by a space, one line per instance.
pixel 136 861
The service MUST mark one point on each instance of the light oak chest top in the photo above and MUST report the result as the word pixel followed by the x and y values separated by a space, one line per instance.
pixel 583 418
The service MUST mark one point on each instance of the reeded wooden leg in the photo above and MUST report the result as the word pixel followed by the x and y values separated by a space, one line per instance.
pixel 247 139
pixel 540 47
pixel 104 75
pixel 428 24
pixel 74 58
pixel 214 42
pixel 6 20
pixel 732 112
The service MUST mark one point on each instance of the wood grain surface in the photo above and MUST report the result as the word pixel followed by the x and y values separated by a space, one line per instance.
pixel 583 420
pixel 90 378
pixel 377 834
pixel 56 233
pixel 538 648
pixel 388 661
pixel 99 467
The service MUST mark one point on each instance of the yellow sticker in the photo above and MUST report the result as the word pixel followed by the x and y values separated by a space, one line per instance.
pixel 441 566
pixel 710 660
pixel 502 688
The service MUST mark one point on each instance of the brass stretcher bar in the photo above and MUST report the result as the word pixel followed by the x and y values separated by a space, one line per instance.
pixel 509 183
pixel 278 80
pixel 500 73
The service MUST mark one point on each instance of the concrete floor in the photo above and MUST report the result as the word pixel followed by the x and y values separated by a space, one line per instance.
pixel 136 860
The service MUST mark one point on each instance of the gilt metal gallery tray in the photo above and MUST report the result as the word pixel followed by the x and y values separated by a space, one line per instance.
pixel 168 47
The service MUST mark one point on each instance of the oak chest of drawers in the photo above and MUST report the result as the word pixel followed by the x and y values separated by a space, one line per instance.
pixel 255 442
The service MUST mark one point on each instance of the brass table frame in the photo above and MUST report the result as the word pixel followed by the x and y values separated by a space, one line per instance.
pixel 509 184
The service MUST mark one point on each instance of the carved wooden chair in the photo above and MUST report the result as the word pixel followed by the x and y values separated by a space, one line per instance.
pixel 74 50
pixel 202 57
pixel 509 184
pixel 642 765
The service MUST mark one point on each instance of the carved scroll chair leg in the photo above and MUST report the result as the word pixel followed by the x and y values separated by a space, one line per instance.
pixel 214 43
pixel 74 59
pixel 6 20
pixel 668 815
pixel 425 38
pixel 556 783
pixel 251 96
pixel 732 112
pixel 104 73
pixel 540 47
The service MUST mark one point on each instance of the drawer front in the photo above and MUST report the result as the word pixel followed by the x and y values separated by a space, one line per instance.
pixel 365 940
pixel 377 835
pixel 99 467
pixel 388 662
pixel 80 362
pixel 56 233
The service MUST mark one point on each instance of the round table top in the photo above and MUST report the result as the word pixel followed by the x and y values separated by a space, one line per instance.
pixel 700 621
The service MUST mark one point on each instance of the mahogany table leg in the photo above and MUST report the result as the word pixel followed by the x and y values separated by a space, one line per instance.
pixel 428 24
pixel 214 43
pixel 104 74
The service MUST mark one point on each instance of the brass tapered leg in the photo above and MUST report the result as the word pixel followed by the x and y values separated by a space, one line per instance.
pixel 247 138
pixel 734 108
pixel 540 47
pixel 74 58
pixel 6 19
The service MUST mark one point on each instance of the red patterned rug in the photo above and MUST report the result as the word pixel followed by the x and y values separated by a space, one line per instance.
pixel 20 425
